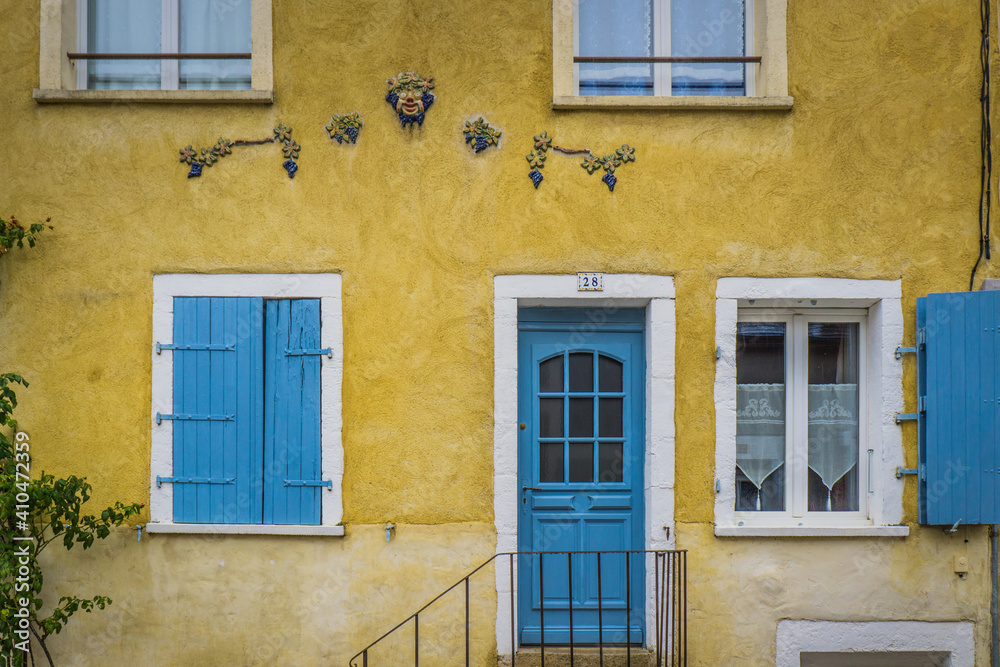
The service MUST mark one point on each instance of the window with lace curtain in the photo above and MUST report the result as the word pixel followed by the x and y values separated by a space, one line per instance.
pixel 800 410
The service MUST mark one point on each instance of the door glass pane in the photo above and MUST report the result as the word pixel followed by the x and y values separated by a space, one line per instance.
pixel 610 417
pixel 834 434
pixel 581 417
pixel 123 26
pixel 581 462
pixel 550 462
pixel 707 28
pixel 610 463
pixel 550 375
pixel 615 28
pixel 550 417
pixel 609 374
pixel 581 371
pixel 211 26
pixel 760 414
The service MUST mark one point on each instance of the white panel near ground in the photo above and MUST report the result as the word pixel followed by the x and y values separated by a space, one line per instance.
pixel 882 643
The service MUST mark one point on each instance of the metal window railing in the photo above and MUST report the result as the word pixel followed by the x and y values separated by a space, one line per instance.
pixel 667 59
pixel 670 604
pixel 159 56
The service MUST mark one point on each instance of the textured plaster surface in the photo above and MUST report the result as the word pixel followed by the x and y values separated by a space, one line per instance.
pixel 872 175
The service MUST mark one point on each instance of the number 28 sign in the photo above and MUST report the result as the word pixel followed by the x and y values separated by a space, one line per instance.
pixel 590 282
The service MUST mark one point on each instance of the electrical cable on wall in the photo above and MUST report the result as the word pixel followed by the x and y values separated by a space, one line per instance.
pixel 986 143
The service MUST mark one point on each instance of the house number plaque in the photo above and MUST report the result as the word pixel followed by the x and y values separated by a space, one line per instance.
pixel 590 282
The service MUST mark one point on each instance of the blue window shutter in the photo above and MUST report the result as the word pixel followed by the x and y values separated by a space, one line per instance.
pixel 224 383
pixel 958 363
pixel 292 412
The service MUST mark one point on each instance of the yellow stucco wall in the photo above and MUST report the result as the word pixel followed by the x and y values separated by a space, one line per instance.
pixel 873 174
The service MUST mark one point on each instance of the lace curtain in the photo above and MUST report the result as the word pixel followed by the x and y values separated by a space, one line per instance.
pixel 123 26
pixel 833 431
pixel 211 26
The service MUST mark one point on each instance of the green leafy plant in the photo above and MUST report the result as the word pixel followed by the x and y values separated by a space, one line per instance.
pixel 13 233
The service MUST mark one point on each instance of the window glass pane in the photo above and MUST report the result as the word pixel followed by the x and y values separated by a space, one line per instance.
pixel 123 26
pixel 214 26
pixel 615 28
pixel 610 418
pixel 581 462
pixel 550 417
pixel 581 371
pixel 706 28
pixel 610 462
pixel 581 417
pixel 760 414
pixel 550 375
pixel 834 434
pixel 609 373
pixel 550 462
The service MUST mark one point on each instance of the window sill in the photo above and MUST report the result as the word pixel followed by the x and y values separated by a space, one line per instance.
pixel 243 529
pixel 56 96
pixel 812 531
pixel 691 103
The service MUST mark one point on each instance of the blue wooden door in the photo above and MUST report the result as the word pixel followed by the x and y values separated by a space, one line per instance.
pixel 580 468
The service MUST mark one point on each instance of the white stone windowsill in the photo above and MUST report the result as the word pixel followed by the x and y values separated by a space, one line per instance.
pixel 243 529
pixel 57 96
pixel 812 531
pixel 680 103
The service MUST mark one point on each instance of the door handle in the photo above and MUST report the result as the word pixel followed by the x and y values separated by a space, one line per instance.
pixel 531 488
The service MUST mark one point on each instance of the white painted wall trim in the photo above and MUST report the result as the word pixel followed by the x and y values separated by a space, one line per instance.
pixel 881 298
pixel 795 637
pixel 656 294
pixel 324 286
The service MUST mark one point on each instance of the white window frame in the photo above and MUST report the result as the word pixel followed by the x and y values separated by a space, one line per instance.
pixel 767 83
pixel 656 295
pixel 663 72
pixel 878 303
pixel 323 286
pixel 796 420
pixel 62 29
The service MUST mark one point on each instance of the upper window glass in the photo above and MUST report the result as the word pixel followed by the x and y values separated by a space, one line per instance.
pixel 153 27
pixel 691 33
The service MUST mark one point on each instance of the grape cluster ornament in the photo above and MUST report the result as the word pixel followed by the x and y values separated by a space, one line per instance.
pixel 410 97
pixel 206 157
pixel 481 135
pixel 345 127
pixel 536 160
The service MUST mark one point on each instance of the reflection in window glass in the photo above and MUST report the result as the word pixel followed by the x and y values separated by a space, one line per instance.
pixel 760 416
pixel 833 417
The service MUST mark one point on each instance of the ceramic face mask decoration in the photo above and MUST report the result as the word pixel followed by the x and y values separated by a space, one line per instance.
pixel 410 97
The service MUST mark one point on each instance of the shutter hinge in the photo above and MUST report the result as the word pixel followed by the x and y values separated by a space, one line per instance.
pixel 194 480
pixel 309 482
pixel 900 351
pixel 202 418
pixel 328 351
pixel 170 346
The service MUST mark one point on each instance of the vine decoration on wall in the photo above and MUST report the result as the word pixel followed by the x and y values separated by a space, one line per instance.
pixel 206 157
pixel 345 127
pixel 410 97
pixel 481 135
pixel 591 163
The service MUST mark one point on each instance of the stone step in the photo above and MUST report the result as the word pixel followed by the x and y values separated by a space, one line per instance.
pixel 588 656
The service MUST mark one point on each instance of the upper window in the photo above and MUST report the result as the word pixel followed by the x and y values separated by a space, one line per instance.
pixel 690 31
pixel 647 53
pixel 246 404
pixel 151 27
pixel 155 50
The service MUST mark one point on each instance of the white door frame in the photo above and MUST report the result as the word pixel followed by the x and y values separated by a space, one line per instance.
pixel 656 295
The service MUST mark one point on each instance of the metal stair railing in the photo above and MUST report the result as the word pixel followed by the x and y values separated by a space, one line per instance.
pixel 670 603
